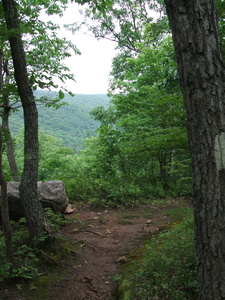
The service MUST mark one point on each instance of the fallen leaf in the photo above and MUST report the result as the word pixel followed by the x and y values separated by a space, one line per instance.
pixel 75 230
pixel 122 259
pixel 149 222
pixel 69 209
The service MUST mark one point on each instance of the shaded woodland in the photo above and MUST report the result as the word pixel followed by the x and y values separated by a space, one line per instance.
pixel 161 133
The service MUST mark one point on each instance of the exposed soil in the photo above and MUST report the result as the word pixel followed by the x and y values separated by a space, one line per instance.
pixel 101 242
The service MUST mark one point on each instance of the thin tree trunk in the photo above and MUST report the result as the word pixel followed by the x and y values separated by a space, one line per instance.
pixel 5 210
pixel 37 222
pixel 202 76
pixel 6 226
pixel 5 122
pixel 9 143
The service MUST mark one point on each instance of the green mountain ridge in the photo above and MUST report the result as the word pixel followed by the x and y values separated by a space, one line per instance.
pixel 71 123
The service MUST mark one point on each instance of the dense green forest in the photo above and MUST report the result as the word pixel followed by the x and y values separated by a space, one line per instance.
pixel 71 122
pixel 140 149
pixel 136 150
pixel 130 148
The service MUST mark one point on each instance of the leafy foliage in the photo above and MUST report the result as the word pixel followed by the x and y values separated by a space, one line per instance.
pixel 167 268
pixel 141 148
pixel 124 22
pixel 27 260
pixel 140 151
pixel 44 50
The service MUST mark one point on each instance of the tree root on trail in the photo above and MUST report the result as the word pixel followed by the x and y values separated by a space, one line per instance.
pixel 94 232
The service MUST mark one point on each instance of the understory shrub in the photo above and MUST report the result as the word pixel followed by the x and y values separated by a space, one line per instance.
pixel 26 259
pixel 108 178
pixel 167 270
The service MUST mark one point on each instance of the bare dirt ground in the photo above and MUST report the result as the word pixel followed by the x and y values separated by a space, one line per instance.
pixel 102 240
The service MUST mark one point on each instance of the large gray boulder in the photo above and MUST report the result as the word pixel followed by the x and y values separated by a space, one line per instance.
pixel 51 195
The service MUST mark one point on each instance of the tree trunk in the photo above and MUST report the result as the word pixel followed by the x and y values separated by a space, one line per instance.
pixel 202 75
pixel 9 143
pixel 5 120
pixel 33 210
pixel 6 226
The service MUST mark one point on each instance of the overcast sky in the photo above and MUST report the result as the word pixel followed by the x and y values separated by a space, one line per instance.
pixel 93 66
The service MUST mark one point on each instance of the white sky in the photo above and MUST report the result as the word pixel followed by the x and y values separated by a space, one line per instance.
pixel 93 66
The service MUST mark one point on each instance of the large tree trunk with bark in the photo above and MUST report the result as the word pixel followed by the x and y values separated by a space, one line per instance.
pixel 33 210
pixel 202 76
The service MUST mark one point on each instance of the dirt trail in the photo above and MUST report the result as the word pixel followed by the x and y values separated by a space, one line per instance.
pixel 103 241
pixel 107 238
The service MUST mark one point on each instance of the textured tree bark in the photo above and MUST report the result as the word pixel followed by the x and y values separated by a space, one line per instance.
pixel 9 143
pixel 33 210
pixel 202 77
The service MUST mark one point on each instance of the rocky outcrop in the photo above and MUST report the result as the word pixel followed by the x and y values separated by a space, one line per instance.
pixel 51 194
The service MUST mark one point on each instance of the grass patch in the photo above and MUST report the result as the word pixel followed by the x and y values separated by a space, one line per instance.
pixel 179 213
pixel 160 202
pixel 123 221
pixel 41 287
pixel 165 270
pixel 101 220
pixel 127 219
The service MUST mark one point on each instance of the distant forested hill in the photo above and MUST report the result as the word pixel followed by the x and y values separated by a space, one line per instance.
pixel 71 122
